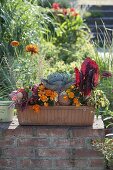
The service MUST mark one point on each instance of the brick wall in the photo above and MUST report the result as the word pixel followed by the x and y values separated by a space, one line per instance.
pixel 49 148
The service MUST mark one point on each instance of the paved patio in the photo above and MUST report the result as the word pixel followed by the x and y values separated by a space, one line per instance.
pixel 95 2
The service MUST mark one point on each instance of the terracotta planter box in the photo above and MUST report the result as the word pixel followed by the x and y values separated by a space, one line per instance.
pixel 57 115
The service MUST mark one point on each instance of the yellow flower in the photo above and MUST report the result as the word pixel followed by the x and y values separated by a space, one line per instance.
pixel 72 86
pixel 43 98
pixel 41 87
pixel 55 94
pixel 68 91
pixel 71 95
pixel 78 104
pixel 36 108
pixel 14 43
pixel 32 48
pixel 46 104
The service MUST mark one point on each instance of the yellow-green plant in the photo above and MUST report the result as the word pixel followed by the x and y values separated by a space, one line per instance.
pixel 106 147
pixel 99 100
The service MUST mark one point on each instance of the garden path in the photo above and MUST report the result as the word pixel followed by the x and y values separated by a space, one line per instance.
pixel 95 2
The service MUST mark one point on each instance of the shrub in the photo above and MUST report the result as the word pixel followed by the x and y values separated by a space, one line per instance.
pixel 106 147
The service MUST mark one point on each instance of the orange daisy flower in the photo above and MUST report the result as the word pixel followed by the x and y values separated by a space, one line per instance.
pixel 14 43
pixel 36 108
pixel 53 95
pixel 71 95
pixel 44 98
pixel 65 98
pixel 40 93
pixel 76 102
pixel 32 48
pixel 48 92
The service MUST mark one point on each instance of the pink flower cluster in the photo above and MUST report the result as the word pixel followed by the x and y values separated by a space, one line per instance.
pixel 71 11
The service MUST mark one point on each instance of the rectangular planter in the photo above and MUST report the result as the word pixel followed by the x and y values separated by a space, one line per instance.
pixel 57 115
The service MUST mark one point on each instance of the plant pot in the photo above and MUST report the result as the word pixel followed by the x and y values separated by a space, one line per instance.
pixel 57 115
pixel 6 111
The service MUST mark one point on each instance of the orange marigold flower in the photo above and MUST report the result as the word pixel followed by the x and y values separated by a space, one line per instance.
pixel 52 98
pixel 48 92
pixel 65 98
pixel 36 108
pixel 32 48
pixel 40 93
pixel 46 104
pixel 53 95
pixel 75 100
pixel 43 98
pixel 71 95
pixel 14 43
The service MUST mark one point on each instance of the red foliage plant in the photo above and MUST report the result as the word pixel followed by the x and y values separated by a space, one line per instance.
pixel 88 76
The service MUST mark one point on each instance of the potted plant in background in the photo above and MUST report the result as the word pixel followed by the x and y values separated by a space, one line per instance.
pixel 6 110
pixel 7 84
pixel 60 99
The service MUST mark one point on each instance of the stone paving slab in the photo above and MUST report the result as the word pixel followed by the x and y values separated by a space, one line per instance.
pixel 95 2
pixel 98 124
